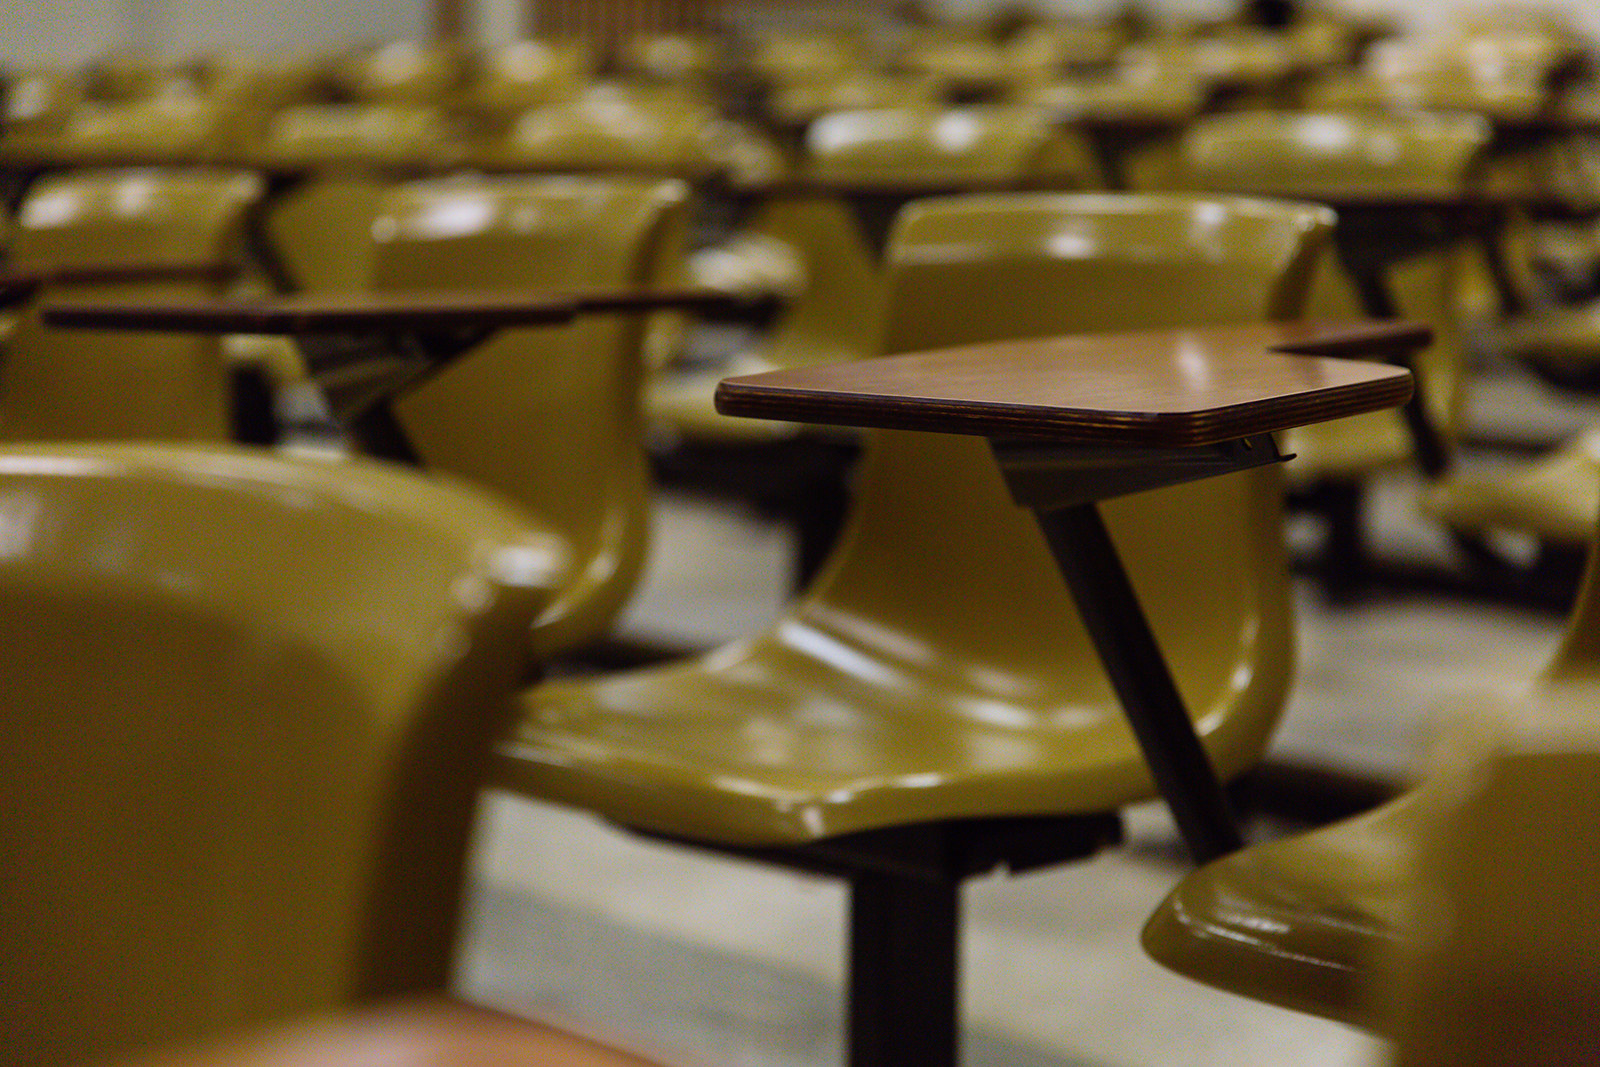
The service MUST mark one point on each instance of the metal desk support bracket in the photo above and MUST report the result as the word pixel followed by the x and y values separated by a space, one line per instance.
pixel 362 374
pixel 1061 485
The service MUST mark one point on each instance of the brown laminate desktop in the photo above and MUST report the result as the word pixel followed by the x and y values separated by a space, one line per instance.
pixel 1169 388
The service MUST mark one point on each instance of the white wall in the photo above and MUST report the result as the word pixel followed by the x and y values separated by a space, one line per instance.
pixel 36 33
pixel 287 28
pixel 48 32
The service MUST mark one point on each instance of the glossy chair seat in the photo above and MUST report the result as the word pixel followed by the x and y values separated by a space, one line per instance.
pixel 1556 497
pixel 935 675
pixel 1303 922
pixel 1308 922
pixel 247 703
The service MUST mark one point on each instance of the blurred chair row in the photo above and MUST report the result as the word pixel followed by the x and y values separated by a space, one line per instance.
pixel 313 234
pixel 257 634
pixel 198 639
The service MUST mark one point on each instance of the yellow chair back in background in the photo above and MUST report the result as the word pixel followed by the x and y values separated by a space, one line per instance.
pixel 1358 156
pixel 74 384
pixel 549 417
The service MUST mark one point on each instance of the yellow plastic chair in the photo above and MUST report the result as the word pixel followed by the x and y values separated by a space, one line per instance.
pixel 125 75
pixel 967 70
pixel 401 72
pixel 612 128
pixel 976 144
pixel 156 130
pixel 248 702
pixel 837 313
pixel 527 74
pixel 1306 922
pixel 815 58
pixel 934 689
pixel 1359 156
pixel 346 156
pixel 63 385
pixel 548 417
pixel 675 58
pixel 38 103
pixel 1048 50
pixel 796 104
pixel 1502 959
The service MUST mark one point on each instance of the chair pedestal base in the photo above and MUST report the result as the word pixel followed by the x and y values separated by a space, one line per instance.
pixel 905 891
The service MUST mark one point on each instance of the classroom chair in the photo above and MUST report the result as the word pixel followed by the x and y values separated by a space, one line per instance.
pixel 521 75
pixel 248 701
pixel 337 160
pixel 549 417
pixel 930 707
pixel 800 474
pixel 1305 922
pixel 1358 159
pixel 415 73
pixel 65 385
pixel 1501 959
pixel 157 130
pixel 611 127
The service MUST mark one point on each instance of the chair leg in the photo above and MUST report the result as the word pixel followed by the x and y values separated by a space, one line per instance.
pixel 1344 555
pixel 904 945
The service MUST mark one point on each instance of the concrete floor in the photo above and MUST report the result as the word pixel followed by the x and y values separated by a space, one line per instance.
pixel 703 961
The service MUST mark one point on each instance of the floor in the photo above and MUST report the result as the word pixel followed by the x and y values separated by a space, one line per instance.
pixel 703 961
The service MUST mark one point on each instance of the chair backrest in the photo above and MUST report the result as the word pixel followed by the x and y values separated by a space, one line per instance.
pixel 529 73
pixel 690 58
pixel 320 229
pixel 160 129
pixel 1502 960
pixel 937 568
pixel 247 700
pixel 75 384
pixel 618 128
pixel 992 143
pixel 1380 155
pixel 839 313
pixel 38 102
pixel 400 72
pixel 549 417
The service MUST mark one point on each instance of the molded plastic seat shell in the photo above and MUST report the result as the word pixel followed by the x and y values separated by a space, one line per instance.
pixel 400 72
pixel 991 143
pixel 158 130
pixel 89 385
pixel 1308 922
pixel 247 704
pixel 525 74
pixel 549 417
pixel 1357 155
pixel 1556 497
pixel 937 669
pixel 320 230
